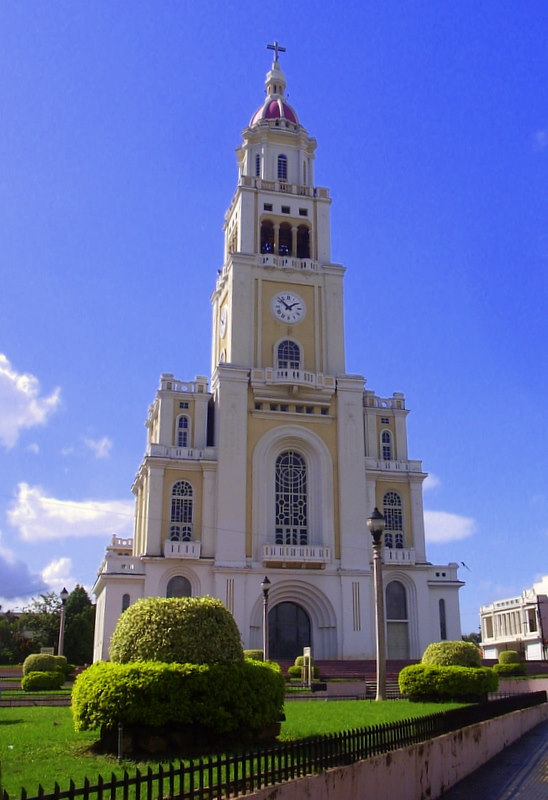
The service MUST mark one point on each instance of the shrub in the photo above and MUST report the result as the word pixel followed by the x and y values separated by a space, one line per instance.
pixel 509 670
pixel 42 681
pixel 60 663
pixel 297 671
pixel 452 654
pixel 39 662
pixel 242 697
pixel 256 655
pixel 509 657
pixel 196 630
pixel 422 682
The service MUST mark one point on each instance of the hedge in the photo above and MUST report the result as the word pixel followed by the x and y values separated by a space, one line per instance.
pixel 509 657
pixel 40 662
pixel 509 670
pixel 452 654
pixel 421 682
pixel 186 630
pixel 223 698
pixel 42 681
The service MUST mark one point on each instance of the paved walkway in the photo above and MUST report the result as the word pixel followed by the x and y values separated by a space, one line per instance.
pixel 519 771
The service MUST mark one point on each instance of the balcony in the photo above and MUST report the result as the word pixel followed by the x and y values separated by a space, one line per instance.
pixel 293 377
pixel 182 549
pixel 287 262
pixel 120 565
pixel 181 453
pixel 392 466
pixel 401 555
pixel 296 555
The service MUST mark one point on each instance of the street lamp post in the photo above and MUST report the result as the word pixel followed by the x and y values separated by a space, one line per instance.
pixel 64 594
pixel 265 586
pixel 376 525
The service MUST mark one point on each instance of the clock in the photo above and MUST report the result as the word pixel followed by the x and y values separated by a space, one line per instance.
pixel 222 321
pixel 288 307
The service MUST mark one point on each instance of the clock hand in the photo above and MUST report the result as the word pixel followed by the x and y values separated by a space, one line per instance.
pixel 288 308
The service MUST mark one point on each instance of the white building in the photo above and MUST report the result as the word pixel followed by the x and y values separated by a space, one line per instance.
pixel 517 623
pixel 274 464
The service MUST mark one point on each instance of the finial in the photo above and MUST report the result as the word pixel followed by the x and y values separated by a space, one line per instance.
pixel 277 49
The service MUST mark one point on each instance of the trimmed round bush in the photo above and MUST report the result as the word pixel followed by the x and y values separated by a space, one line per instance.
pixel 42 681
pixel 509 657
pixel 241 698
pixel 452 654
pixel 195 630
pixel 422 682
pixel 39 662
pixel 510 670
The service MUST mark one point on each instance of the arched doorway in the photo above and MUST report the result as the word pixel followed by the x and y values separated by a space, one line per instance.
pixel 288 631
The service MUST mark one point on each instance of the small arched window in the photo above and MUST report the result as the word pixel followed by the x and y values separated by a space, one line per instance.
pixel 288 355
pixel 291 499
pixel 180 529
pixel 282 168
pixel 178 586
pixel 125 602
pixel 386 445
pixel 183 431
pixel 258 166
pixel 393 515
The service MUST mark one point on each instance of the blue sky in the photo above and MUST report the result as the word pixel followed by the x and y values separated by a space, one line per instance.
pixel 118 128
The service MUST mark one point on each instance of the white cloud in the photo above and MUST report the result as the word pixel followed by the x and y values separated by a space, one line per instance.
pixel 16 579
pixel 33 448
pixel 441 527
pixel 20 403
pixel 57 574
pixel 431 482
pixel 39 517
pixel 101 447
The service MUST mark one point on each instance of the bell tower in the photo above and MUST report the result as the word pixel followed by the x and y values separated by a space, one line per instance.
pixel 278 299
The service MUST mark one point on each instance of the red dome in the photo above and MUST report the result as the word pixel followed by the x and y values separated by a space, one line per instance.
pixel 274 108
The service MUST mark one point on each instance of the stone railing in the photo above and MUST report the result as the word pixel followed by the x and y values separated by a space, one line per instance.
pixel 286 262
pixel 371 400
pixel 274 375
pixel 115 564
pixel 182 549
pixel 169 384
pixel 401 555
pixel 297 553
pixel 182 453
pixel 393 466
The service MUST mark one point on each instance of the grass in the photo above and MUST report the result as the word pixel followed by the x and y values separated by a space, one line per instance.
pixel 38 744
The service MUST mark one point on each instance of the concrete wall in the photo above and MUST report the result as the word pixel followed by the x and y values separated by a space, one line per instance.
pixel 412 773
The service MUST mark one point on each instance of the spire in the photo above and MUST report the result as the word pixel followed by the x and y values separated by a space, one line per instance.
pixel 275 79
pixel 275 106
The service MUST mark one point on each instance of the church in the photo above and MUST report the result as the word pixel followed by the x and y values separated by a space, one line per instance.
pixel 273 464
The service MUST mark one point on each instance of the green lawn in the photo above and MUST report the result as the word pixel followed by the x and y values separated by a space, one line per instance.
pixel 39 746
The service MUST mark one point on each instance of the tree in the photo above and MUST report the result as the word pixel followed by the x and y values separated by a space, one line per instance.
pixel 474 637
pixel 41 618
pixel 79 627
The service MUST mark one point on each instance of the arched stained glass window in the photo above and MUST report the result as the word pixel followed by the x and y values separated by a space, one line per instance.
pixel 397 621
pixel 289 355
pixel 183 430
pixel 291 499
pixel 125 602
pixel 180 529
pixel 393 515
pixel 386 446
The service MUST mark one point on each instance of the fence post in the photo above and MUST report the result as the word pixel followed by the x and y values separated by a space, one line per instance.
pixel 120 742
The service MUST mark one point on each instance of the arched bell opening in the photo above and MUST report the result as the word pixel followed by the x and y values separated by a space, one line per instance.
pixel 285 244
pixel 303 242
pixel 267 236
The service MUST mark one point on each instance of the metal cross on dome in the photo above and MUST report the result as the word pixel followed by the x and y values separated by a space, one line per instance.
pixel 277 49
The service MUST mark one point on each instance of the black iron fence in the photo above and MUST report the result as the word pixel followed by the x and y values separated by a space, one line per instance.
pixel 216 777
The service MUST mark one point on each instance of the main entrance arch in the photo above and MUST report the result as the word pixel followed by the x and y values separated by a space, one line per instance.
pixel 289 631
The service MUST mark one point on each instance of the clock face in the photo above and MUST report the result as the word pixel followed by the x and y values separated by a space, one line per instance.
pixel 222 322
pixel 288 307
